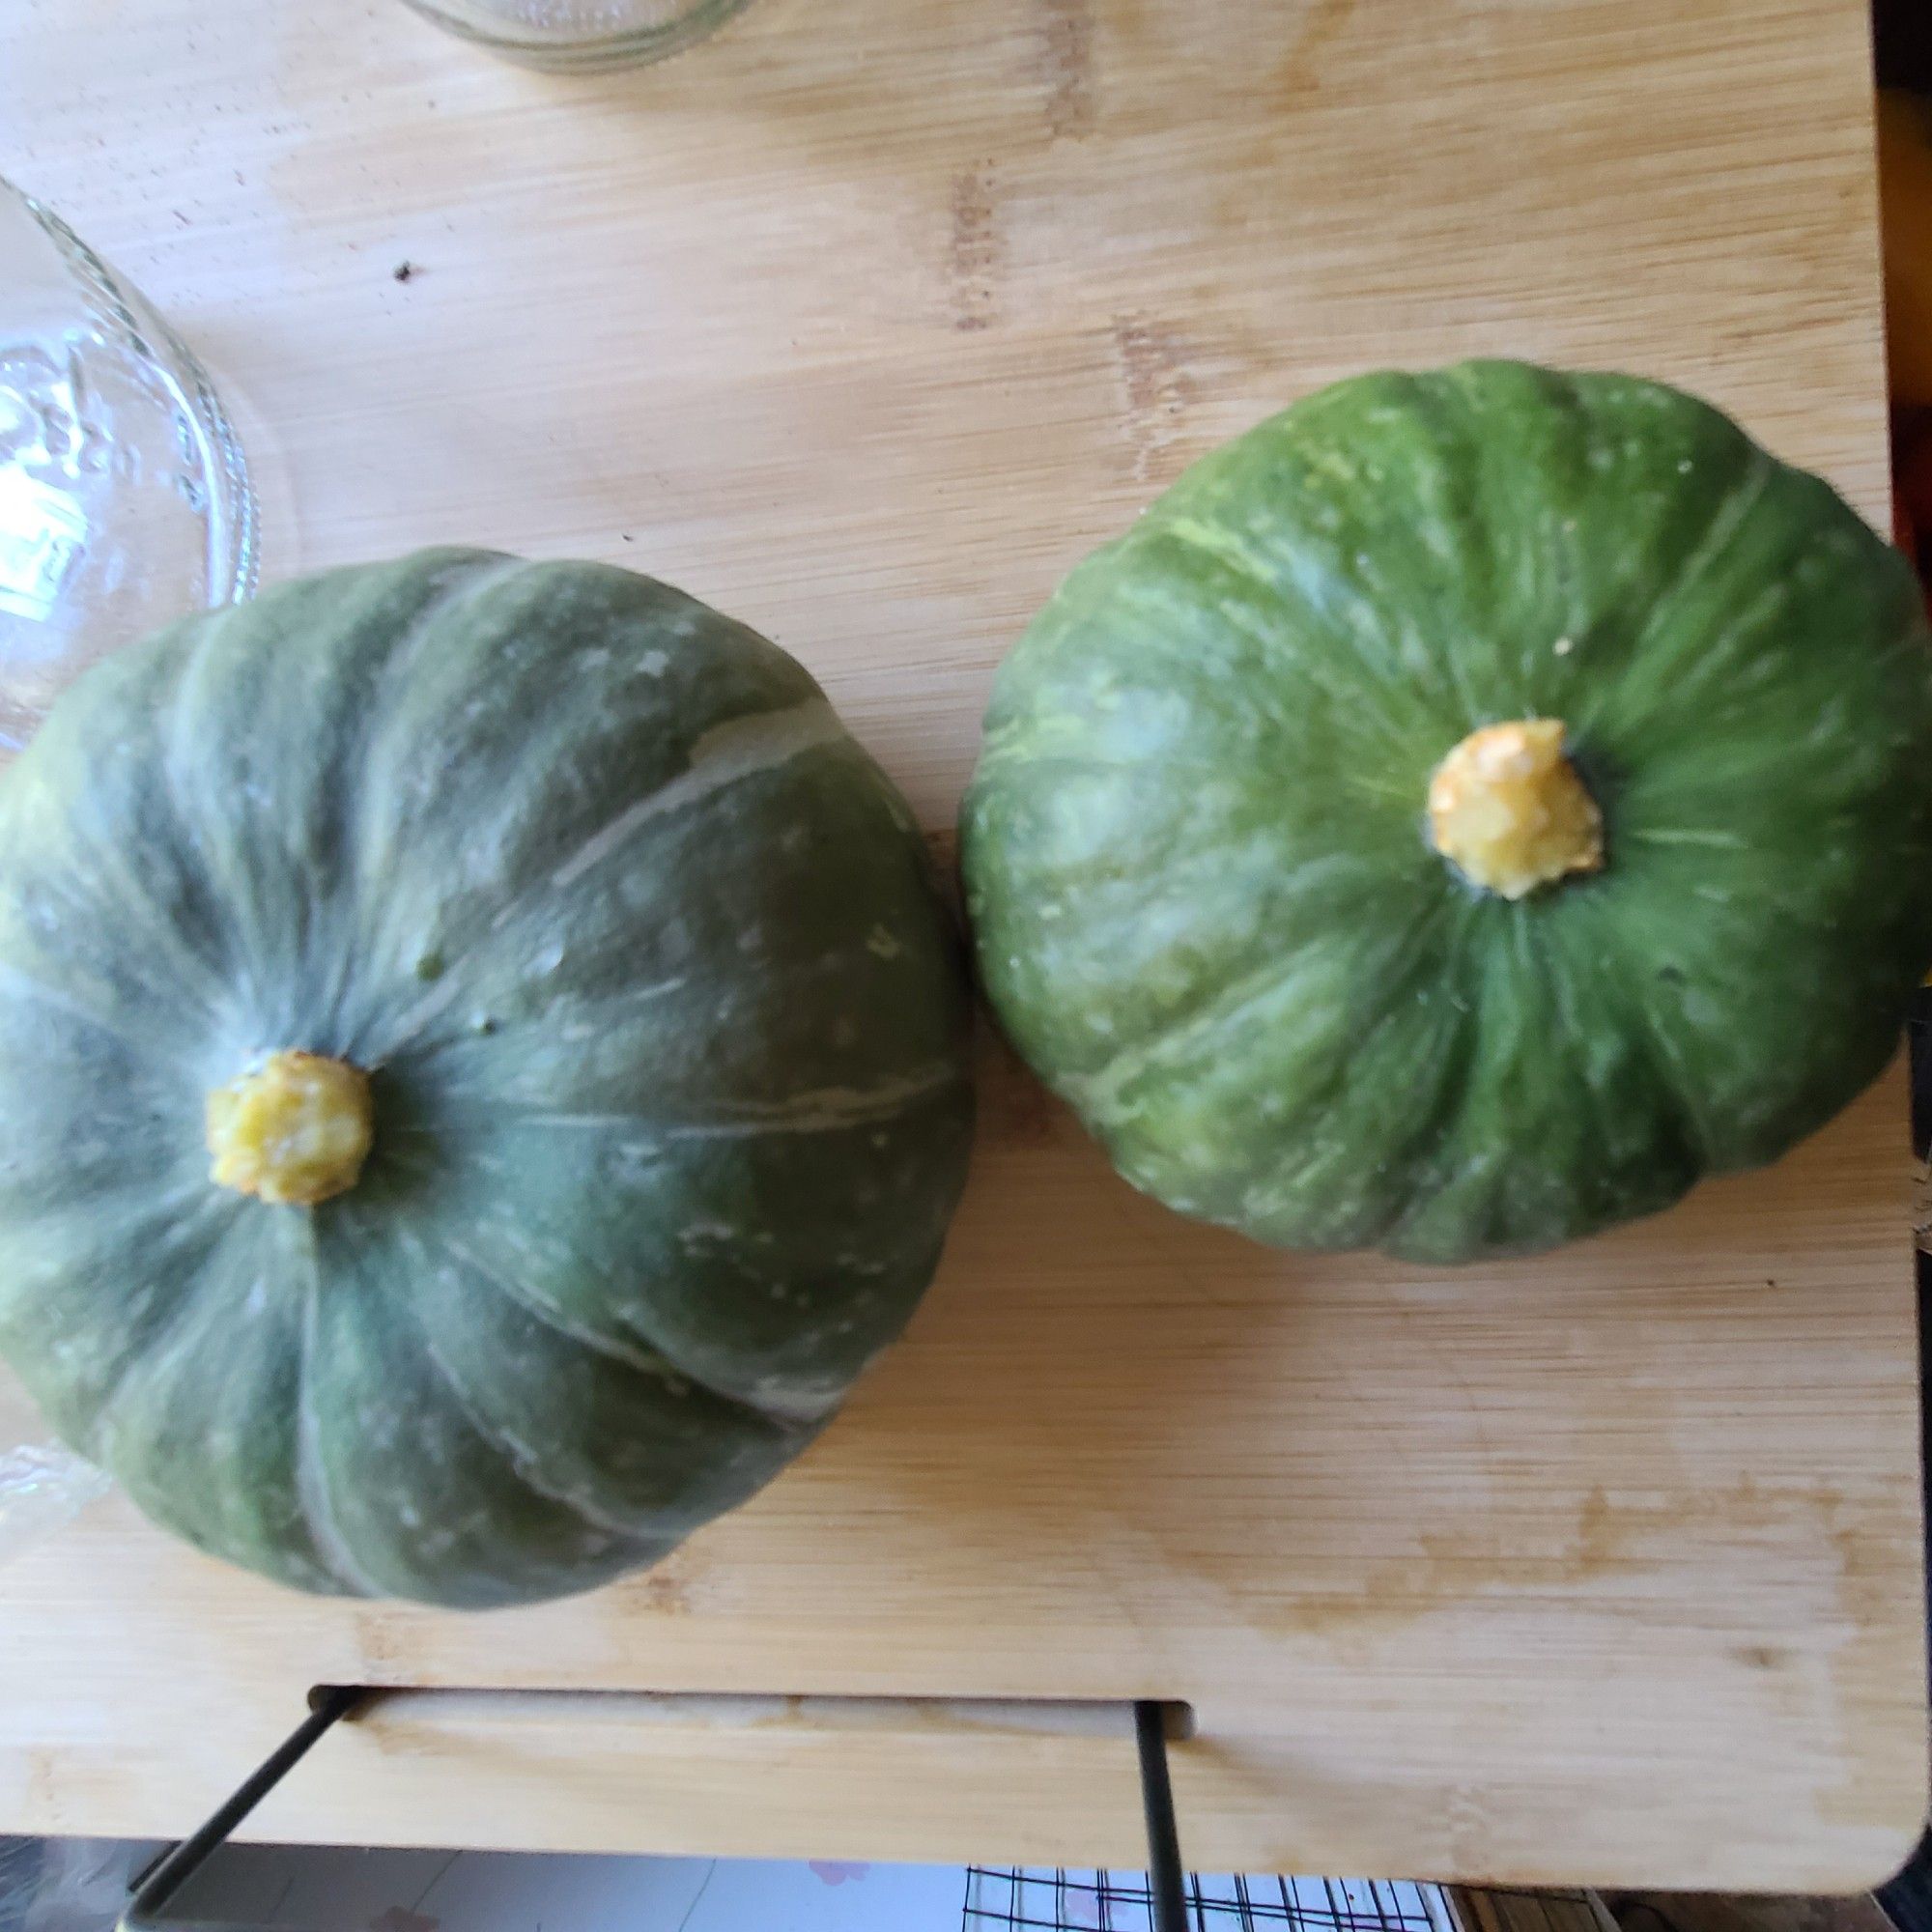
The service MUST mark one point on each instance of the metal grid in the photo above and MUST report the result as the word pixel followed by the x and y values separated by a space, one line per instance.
pixel 1017 1899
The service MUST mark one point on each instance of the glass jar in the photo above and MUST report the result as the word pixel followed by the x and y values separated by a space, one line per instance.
pixel 581 33
pixel 125 499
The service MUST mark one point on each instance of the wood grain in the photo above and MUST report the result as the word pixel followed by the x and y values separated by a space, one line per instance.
pixel 864 322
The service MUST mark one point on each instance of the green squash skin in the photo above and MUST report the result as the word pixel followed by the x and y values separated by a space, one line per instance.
pixel 1196 866
pixel 667 1032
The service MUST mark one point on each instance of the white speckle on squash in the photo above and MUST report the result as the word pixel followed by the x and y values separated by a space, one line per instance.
pixel 654 663
pixel 881 943
pixel 1563 646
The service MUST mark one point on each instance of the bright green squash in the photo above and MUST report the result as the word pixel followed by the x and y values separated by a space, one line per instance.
pixel 546 934
pixel 1321 957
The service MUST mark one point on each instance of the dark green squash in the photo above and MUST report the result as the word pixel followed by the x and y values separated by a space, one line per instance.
pixel 1321 958
pixel 547 935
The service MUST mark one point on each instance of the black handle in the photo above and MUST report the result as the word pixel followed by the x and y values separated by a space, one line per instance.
pixel 165 1878
pixel 1164 1882
pixel 162 1881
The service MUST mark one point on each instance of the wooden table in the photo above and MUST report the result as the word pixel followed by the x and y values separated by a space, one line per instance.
pixel 864 322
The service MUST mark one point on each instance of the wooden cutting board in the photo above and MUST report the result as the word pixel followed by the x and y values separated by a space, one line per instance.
pixel 864 322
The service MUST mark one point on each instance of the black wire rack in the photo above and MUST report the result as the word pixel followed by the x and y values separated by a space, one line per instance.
pixel 1027 1900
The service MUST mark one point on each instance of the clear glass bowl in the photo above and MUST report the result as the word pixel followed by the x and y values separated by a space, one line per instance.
pixel 125 500
pixel 581 33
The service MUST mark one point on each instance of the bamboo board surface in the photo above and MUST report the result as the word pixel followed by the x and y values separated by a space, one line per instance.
pixel 864 322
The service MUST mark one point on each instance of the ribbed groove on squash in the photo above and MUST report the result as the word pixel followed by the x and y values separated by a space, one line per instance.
pixel 653 1358
pixel 726 754
pixel 116 883
pixel 468 586
pixel 517 1457
pixel 773 738
pixel 1727 517
pixel 154 1342
pixel 1182 1030
pixel 311 1474
pixel 64 1000
pixel 641 1357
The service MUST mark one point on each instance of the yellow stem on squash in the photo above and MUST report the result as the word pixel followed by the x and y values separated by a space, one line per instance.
pixel 1508 811
pixel 295 1130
